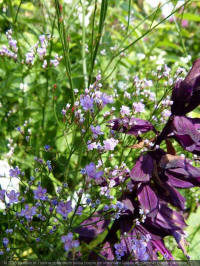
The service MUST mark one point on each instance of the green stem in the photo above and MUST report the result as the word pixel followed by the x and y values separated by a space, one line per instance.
pixel 83 46
pixel 104 5
pixel 65 47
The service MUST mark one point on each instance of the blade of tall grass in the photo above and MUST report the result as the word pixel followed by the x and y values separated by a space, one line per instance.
pixel 83 46
pixel 65 47
pixel 103 12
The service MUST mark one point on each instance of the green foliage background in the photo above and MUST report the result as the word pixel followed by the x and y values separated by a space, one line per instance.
pixel 134 28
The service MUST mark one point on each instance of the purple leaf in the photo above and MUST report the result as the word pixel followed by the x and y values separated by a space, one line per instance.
pixel 143 169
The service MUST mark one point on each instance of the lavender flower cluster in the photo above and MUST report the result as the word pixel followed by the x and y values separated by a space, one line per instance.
pixel 39 49
pixel 131 209
pixel 145 208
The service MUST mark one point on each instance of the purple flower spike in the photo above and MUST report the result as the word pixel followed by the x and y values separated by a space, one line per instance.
pixel 132 126
pixel 143 169
pixel 186 93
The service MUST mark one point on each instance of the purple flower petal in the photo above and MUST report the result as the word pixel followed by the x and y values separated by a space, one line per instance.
pixel 186 132
pixel 148 200
pixel 159 246
pixel 107 251
pixel 143 169
pixel 128 204
pixel 131 126
pixel 91 228
pixel 169 219
pixel 169 194
pixel 179 172
pixel 186 93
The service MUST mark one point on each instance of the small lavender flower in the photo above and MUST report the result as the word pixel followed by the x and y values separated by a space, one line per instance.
pixel 39 193
pixel 88 201
pixel 79 210
pixel 92 146
pixel 49 165
pixel 166 113
pixel 86 102
pixel 109 144
pixel 9 231
pixel 96 131
pixel 106 99
pixel 139 248
pixel 64 208
pixel 120 250
pixel 5 241
pixel 125 110
pixel 29 58
pixel 15 172
pixel 47 147
pixel 139 107
pixel 42 39
pixel 68 241
pixel 13 196
pixel 54 62
pixel 54 202
pixel 41 52
pixel 28 212
pixel 13 45
pixel 91 171
pixel 83 171
pixel 106 208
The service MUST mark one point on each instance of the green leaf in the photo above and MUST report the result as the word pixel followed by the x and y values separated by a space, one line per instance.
pixel 191 17
pixel 193 230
